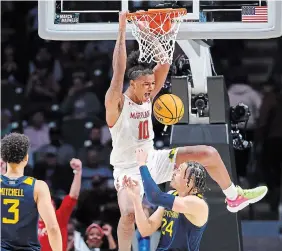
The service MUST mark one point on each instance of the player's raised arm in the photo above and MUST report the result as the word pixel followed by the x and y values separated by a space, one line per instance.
pixel 114 93
pixel 160 72
pixel 146 225
pixel 47 213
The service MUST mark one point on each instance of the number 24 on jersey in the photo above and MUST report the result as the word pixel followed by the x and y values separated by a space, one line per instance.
pixel 167 227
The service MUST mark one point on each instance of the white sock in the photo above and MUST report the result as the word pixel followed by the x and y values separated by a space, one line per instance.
pixel 231 192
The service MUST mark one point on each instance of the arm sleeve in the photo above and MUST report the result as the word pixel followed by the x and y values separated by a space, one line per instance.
pixel 153 193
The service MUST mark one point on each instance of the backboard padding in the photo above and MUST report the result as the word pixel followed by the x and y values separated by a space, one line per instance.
pixel 188 30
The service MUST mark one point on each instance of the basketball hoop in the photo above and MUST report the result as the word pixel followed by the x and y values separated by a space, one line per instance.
pixel 155 31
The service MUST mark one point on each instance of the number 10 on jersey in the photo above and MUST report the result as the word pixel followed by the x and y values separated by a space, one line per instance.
pixel 143 130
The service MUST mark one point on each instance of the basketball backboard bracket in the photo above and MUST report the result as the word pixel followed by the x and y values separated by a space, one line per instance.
pixel 200 64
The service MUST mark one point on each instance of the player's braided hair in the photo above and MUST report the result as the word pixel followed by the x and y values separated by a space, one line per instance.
pixel 135 68
pixel 198 172
pixel 14 148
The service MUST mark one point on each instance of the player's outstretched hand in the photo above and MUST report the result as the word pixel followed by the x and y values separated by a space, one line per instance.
pixel 141 157
pixel 76 165
pixel 122 20
pixel 132 187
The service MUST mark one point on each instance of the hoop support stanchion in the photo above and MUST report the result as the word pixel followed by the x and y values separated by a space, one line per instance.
pixel 200 63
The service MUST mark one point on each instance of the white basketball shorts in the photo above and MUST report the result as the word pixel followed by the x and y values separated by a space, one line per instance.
pixel 160 163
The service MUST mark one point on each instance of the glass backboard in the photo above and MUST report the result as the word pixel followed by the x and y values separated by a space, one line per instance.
pixel 98 20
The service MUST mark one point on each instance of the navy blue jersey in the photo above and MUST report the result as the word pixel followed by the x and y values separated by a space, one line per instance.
pixel 19 214
pixel 178 233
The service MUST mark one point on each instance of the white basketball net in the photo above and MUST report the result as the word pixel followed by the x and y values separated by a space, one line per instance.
pixel 156 39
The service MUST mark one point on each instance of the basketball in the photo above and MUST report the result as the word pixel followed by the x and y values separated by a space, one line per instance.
pixel 168 109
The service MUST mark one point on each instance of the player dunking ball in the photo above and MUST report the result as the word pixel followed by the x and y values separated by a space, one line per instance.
pixel 129 117
pixel 182 214
pixel 22 198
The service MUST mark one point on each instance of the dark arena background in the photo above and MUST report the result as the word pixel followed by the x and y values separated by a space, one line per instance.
pixel 53 91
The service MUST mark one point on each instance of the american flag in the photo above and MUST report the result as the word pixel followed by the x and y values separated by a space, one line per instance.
pixel 254 14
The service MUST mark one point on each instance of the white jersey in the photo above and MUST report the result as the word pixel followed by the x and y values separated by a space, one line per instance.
pixel 133 129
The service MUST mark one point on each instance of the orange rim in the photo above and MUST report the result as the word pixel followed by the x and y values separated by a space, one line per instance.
pixel 151 12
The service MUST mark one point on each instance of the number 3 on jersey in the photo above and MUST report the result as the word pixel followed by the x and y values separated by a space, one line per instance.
pixel 143 130
pixel 13 210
